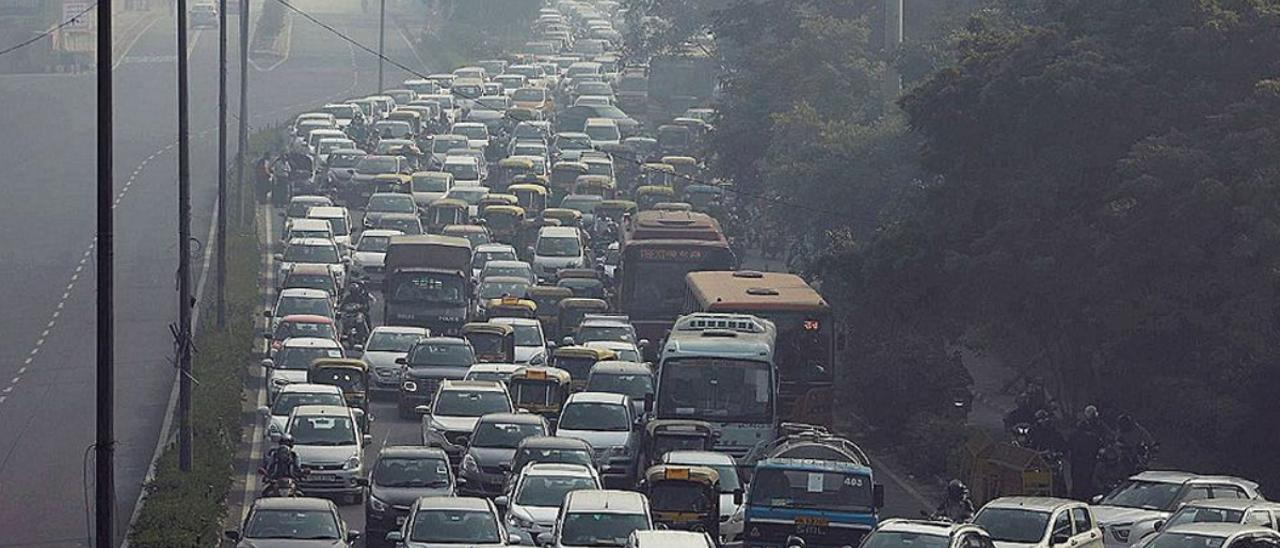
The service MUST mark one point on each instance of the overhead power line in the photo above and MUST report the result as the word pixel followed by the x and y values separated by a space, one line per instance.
pixel 47 33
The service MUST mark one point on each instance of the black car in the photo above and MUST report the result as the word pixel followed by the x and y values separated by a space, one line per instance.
pixel 430 361
pixel 401 475
pixel 492 449
pixel 550 449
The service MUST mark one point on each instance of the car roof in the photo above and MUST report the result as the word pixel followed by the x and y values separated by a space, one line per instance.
pixel 615 367
pixel 494 246
pixel 310 388
pixel 495 367
pixel 512 418
pixel 505 279
pixel 305 293
pixel 303 223
pixel 515 321
pixel 499 263
pixel 672 539
pixel 558 231
pixel 322 410
pixel 310 268
pixel 1233 504
pixel 597 397
pixel 292 503
pixel 306 318
pixel 555 469
pixel 1043 504
pixel 1215 529
pixel 696 457
pixel 487 386
pixel 310 342
pixel 454 503
pixel 1172 476
pixel 398 329
pixel 922 527
pixel 311 242
pixel 604 500
pixel 420 451
pixel 554 442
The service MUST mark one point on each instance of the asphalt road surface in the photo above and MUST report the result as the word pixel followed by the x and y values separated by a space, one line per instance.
pixel 47 164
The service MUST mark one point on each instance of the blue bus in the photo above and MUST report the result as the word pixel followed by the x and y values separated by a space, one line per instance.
pixel 827 503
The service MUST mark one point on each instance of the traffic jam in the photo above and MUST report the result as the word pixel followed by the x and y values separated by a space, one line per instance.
pixel 505 306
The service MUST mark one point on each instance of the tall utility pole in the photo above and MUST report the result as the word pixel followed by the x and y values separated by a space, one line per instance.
pixel 104 444
pixel 221 273
pixel 242 144
pixel 184 250
pixel 892 40
pixel 382 41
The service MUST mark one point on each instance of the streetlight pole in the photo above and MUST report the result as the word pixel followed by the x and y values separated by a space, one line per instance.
pixel 104 443
pixel 242 144
pixel 221 274
pixel 382 41
pixel 184 249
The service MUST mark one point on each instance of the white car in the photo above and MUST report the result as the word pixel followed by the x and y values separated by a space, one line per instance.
pixel 308 228
pixel 477 134
pixel 298 300
pixel 538 493
pixel 490 252
pixel 312 251
pixel 602 131
pixel 337 216
pixel 465 170
pixel 330 144
pixel 276 416
pixel 1132 509
pixel 498 372
pixel 598 518
pixel 531 343
pixel 1039 522
pixel 607 422
pixel 291 362
pixel 557 247
pixel 387 344
pixel 469 194
pixel 330 447
pixel 369 256
pixel 429 186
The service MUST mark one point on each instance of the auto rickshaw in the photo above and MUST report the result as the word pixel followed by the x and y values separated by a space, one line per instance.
pixel 496 199
pixel 703 198
pixel 491 342
pixel 503 222
pixel 446 211
pixel 641 148
pixel 672 206
pixel 674 139
pixel 684 498
pixel 540 390
pixel 563 176
pixel 577 360
pixel 649 195
pixel 508 169
pixel 567 217
pixel 615 210
pixel 666 435
pixel 548 300
pixel 392 182
pixel 533 198
pixel 352 376
pixel 596 185
pixel 686 171
pixel 511 307
pixel 475 234
pixel 572 310
pixel 657 174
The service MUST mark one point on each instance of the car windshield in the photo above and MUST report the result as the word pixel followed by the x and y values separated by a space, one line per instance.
pixel 285 402
pixel 1013 524
pixel 472 131
pixel 558 247
pixel 341 112
pixel 430 184
pixel 635 386
pixel 493 290
pixel 387 341
pixel 392 203
pixel 1196 514
pixel 529 95
pixel 471 196
pixel 411 472
pixel 903 539
pixel 325 234
pixel 595 416
pixel 373 244
pixel 549 491
pixel 1149 495
pixel 344 159
pixel 470 403
pixel 303 305
pixel 373 165
pixel 427 287
pixel 581 203
pixel 440 145
pixel 292 524
pixel 455 527
pixel 528 335
pixel 604 333
pixel 328 430
pixel 1183 540
pixel 300 357
pixel 609 111
pixel 310 281
pixel 483 257
pixel 441 354
pixel 832 491
pixel 603 133
pixel 600 529
pixel 463 171
pixel 304 329
pixel 329 145
pixel 501 435
pixel 406 223
pixel 324 254
pixel 680 497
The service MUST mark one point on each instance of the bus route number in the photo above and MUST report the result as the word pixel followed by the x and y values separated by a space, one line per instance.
pixel 671 254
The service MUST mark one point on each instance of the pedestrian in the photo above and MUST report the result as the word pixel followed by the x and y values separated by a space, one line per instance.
pixel 1086 440
pixel 262 176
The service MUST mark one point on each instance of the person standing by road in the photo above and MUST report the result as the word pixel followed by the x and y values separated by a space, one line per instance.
pixel 1083 446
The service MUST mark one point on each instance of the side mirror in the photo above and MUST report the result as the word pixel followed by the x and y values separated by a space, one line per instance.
pixel 567 341
pixel 424 409
pixel 231 535
pixel 544 539
pixel 877 495
pixel 264 412
pixel 1059 538
pixel 352 535
pixel 268 363
pixel 648 402
pixel 278 256
pixel 1097 499
pixel 395 537
pixel 501 501
pixel 644 343
pixel 1158 525
pixel 402 361
pixel 513 540
pixel 738 496
pixel 367 439
pixel 266 313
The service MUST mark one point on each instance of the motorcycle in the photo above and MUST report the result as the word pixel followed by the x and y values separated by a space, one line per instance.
pixel 281 487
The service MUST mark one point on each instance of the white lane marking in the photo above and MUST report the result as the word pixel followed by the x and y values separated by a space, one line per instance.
pixel 22 370
pixel 134 42
pixel 255 444
pixel 288 47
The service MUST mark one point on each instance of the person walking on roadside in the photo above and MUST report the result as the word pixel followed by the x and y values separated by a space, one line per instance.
pixel 1086 440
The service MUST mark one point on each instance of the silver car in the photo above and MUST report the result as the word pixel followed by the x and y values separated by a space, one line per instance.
pixel 452 521
pixel 280 522
pixel 330 448
pixel 539 492
pixel 386 345
pixel 607 422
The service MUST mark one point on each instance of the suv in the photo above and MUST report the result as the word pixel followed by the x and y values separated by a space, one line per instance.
pixel 1220 535
pixel 558 247
pixel 492 448
pixel 598 518
pixel 1039 522
pixel 402 475
pixel 448 521
pixel 1253 512
pixel 1131 510
pixel 330 447
pixel 290 396
pixel 458 406
pixel 895 533
pixel 607 422
pixel 431 361
pixel 538 493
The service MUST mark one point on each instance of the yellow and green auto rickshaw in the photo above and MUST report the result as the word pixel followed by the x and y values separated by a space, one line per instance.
pixel 447 211
pixel 657 174
pixel 548 300
pixel 531 178
pixel 567 217
pixel 686 168
pixel 563 175
pixel 533 198
pixel 491 342
pixel 615 210
pixel 496 199
pixel 573 309
pixel 703 198
pixel 684 498
pixel 540 390
pixel 577 360
pixel 596 185
pixel 650 195
pixel 349 375
pixel 666 435
pixel 503 222
pixel 508 169
pixel 392 182
pixel 511 307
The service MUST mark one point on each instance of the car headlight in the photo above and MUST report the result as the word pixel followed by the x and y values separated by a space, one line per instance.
pixel 279 381
pixel 377 505
pixel 1120 532
pixel 352 463
pixel 618 451
pixel 518 521
pixel 469 465
pixel 409 386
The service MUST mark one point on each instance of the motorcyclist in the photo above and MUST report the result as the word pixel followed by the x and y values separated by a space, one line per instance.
pixel 1044 435
pixel 280 463
pixel 957 506
pixel 356 296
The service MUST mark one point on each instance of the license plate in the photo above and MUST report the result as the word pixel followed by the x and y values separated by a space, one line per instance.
pixel 811 525
pixel 323 477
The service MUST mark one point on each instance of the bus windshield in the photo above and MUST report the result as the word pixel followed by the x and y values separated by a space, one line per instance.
pixel 825 489
pixel 713 389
